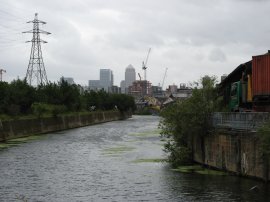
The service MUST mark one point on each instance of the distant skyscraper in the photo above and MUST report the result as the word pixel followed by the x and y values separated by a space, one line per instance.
pixel 69 80
pixel 106 79
pixel 123 86
pixel 130 75
pixel 94 85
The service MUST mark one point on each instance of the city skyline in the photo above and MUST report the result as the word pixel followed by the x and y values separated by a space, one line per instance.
pixel 105 81
pixel 191 39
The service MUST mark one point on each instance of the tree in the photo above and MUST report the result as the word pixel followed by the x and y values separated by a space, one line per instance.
pixel 123 102
pixel 70 95
pixel 60 94
pixel 54 98
pixel 22 95
pixel 184 119
pixel 4 89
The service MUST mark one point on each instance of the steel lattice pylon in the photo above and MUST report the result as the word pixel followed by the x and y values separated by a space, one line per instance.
pixel 36 69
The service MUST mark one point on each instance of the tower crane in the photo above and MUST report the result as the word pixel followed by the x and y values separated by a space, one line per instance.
pixel 1 73
pixel 140 76
pixel 144 63
pixel 164 78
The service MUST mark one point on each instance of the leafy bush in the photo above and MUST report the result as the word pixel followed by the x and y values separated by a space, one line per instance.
pixel 19 98
pixel 58 109
pixel 40 109
pixel 184 119
pixel 178 155
pixel 13 110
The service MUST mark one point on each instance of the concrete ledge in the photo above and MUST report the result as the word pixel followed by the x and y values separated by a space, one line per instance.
pixel 21 128
pixel 238 152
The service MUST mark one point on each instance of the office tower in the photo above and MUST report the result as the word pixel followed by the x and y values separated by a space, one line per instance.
pixel 106 79
pixel 123 86
pixel 130 75
pixel 94 85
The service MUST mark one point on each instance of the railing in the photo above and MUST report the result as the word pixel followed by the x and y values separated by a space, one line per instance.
pixel 249 121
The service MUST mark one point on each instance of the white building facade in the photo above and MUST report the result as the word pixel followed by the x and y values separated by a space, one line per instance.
pixel 130 76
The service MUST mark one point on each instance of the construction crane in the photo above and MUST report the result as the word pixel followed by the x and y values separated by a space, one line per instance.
pixel 164 78
pixel 144 63
pixel 140 76
pixel 1 73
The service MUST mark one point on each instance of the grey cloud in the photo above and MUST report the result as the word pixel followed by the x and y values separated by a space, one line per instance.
pixel 217 55
pixel 191 34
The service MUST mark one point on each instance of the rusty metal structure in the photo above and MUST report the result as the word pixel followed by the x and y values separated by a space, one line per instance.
pixel 247 88
pixel 261 77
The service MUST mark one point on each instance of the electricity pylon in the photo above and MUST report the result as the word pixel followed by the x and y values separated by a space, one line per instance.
pixel 36 69
pixel 1 73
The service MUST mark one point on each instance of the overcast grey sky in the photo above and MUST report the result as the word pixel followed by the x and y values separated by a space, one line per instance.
pixel 191 38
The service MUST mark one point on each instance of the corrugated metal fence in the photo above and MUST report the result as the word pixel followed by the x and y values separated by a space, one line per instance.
pixel 249 121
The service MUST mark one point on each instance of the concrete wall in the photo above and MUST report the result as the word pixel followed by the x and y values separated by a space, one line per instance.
pixel 237 152
pixel 19 128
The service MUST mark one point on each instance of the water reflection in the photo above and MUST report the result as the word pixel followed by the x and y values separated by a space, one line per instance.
pixel 98 163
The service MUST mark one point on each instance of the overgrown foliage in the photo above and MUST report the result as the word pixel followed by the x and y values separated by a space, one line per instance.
pixel 41 109
pixel 19 98
pixel 184 119
pixel 264 136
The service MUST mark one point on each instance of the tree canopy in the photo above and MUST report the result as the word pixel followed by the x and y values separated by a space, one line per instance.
pixel 186 118
pixel 19 98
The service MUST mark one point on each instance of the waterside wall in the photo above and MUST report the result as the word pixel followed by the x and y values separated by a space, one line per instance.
pixel 234 151
pixel 19 128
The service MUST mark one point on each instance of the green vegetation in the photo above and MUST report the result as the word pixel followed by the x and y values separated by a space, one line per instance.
pixel 264 137
pixel 149 161
pixel 117 150
pixel 18 141
pixel 144 111
pixel 19 99
pixel 185 119
pixel 147 133
pixel 199 170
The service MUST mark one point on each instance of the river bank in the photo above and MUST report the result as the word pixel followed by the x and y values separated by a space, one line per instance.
pixel 20 128
pixel 114 161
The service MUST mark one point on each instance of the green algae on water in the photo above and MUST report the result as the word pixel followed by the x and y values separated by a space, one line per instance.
pixel 199 170
pixel 25 139
pixel 157 160
pixel 18 141
pixel 117 150
pixel 152 133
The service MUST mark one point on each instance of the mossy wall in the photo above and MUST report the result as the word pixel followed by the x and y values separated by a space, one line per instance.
pixel 20 128
pixel 237 152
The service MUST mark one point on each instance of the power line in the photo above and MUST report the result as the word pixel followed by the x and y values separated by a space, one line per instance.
pixel 36 69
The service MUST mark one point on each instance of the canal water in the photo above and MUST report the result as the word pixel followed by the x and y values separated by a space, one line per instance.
pixel 116 161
